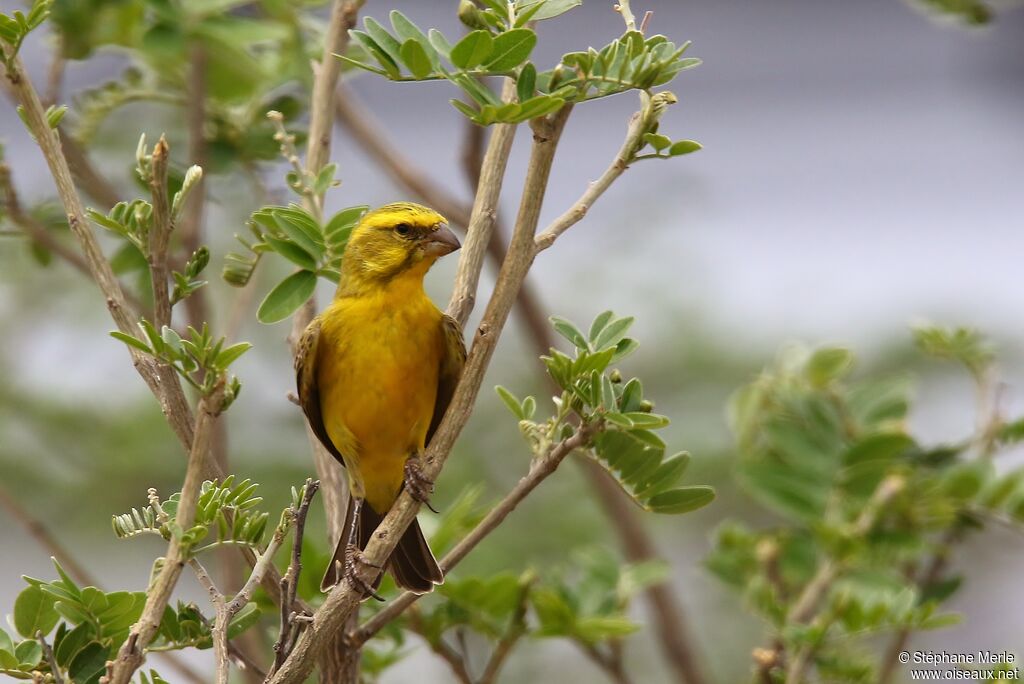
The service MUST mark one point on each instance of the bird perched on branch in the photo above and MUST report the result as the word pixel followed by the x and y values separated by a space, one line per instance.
pixel 376 371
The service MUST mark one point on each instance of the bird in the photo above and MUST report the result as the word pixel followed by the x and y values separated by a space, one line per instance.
pixel 375 372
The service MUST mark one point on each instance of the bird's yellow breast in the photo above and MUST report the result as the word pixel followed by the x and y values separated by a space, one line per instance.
pixel 377 369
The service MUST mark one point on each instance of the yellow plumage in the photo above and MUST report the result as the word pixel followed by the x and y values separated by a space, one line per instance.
pixel 377 368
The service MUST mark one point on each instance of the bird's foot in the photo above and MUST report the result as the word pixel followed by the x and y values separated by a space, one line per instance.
pixel 354 563
pixel 419 486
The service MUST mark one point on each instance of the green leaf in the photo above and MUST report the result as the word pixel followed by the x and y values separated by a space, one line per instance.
pixel 611 333
pixel 34 612
pixel 301 228
pixel 569 331
pixel 682 500
pixel 130 341
pixel 510 49
pixel 657 141
pixel 827 365
pixel 344 219
pixel 540 105
pixel 666 475
pixel 292 252
pixel 6 643
pixel 511 401
pixel 465 110
pixel 473 49
pixel 287 297
pixel 599 323
pixel 597 628
pixel 526 82
pixel 415 57
pixel 439 43
pixel 681 147
pixel 388 64
pixel 55 114
pixel 73 642
pixel 381 37
pixel 89 665
pixel 228 356
pixel 405 28
pixel 28 654
pixel 550 8
pixel 649 421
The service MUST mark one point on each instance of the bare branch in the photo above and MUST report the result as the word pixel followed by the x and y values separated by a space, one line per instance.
pixel 456 662
pixel 132 653
pixel 50 660
pixel 638 125
pixel 160 234
pixel 516 629
pixel 35 230
pixel 290 581
pixel 483 217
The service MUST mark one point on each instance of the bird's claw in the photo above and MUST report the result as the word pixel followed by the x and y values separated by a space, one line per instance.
pixel 354 562
pixel 419 486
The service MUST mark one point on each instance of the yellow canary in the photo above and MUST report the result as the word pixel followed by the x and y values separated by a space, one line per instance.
pixel 376 371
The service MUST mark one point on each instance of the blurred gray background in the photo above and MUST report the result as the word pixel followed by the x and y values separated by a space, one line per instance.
pixel 862 169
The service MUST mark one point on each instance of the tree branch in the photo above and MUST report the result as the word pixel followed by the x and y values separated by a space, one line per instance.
pixel 456 662
pixel 160 235
pixel 516 629
pixel 484 215
pixel 132 653
pixel 290 581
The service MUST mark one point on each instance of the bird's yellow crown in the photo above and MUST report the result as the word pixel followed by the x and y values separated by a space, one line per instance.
pixel 395 240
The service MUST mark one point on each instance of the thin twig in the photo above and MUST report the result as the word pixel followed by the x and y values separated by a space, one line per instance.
pixel 42 535
pixel 803 609
pixel 89 179
pixel 456 662
pixel 485 212
pixel 290 581
pixel 132 653
pixel 50 660
pixel 160 234
pixel 931 574
pixel 516 630
pixel 40 234
pixel 639 124
pixel 606 662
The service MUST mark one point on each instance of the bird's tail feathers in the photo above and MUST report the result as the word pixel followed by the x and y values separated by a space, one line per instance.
pixel 411 563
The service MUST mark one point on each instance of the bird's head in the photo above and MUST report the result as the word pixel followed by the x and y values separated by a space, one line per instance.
pixel 397 239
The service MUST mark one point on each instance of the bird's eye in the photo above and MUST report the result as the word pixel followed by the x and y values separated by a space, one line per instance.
pixel 403 229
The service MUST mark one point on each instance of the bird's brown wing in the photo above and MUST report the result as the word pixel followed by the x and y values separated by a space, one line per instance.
pixel 452 363
pixel 309 392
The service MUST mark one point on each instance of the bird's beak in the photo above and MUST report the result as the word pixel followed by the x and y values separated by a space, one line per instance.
pixel 440 242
